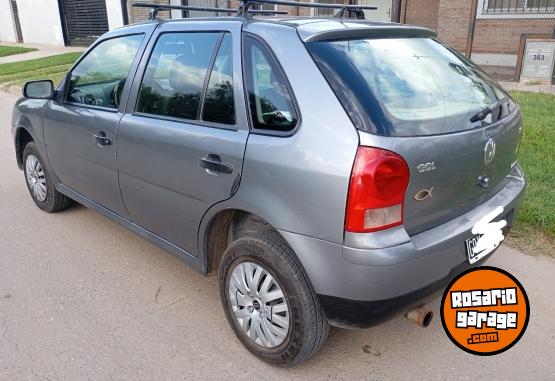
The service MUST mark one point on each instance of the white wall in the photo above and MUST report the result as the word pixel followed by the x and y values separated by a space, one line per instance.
pixel 176 13
pixel 40 22
pixel 115 15
pixel 7 27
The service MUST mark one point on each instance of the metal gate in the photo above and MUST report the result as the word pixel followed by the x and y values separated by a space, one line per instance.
pixel 84 20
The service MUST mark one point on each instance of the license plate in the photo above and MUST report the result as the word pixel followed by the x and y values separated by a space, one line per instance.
pixel 470 245
pixel 487 236
pixel 474 256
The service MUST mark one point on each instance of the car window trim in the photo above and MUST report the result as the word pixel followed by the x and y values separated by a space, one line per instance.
pixel 208 75
pixel 196 122
pixel 64 100
pixel 199 123
pixel 273 56
pixel 92 107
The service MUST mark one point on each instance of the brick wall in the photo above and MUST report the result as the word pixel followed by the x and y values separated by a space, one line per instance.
pixel 141 14
pixel 449 18
pixel 453 22
pixel 503 35
pixel 292 11
pixel 422 13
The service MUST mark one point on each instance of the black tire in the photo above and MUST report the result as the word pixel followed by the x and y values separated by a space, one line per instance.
pixel 55 201
pixel 308 326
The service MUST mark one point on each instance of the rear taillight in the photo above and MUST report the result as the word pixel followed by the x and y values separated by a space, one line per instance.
pixel 376 192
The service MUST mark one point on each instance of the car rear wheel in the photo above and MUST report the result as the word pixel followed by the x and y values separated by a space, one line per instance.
pixel 269 301
pixel 40 183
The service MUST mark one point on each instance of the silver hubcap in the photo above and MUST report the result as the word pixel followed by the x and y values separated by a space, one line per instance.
pixel 258 303
pixel 35 177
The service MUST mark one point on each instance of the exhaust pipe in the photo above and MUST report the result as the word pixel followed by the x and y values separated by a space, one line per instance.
pixel 421 316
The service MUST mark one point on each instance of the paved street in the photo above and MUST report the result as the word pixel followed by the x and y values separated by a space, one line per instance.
pixel 83 298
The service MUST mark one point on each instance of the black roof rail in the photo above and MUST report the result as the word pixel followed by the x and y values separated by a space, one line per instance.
pixel 155 8
pixel 246 4
pixel 245 8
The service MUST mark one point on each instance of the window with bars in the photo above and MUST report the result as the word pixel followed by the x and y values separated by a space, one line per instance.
pixel 265 7
pixel 518 6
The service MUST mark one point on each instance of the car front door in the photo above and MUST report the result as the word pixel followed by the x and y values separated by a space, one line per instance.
pixel 80 127
pixel 182 139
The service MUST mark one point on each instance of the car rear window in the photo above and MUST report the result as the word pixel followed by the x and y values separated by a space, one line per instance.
pixel 405 86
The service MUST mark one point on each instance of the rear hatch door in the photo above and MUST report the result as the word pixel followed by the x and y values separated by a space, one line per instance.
pixel 453 173
pixel 456 127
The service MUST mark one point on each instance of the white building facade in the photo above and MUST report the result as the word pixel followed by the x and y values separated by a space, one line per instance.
pixel 80 22
pixel 63 22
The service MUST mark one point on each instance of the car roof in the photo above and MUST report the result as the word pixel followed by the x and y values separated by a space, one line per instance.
pixel 322 28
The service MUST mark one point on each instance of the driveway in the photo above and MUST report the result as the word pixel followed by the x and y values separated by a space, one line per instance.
pixel 83 298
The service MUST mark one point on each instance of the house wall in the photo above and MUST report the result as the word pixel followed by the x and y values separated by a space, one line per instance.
pixel 503 35
pixel 7 26
pixel 141 14
pixel 422 13
pixel 40 22
pixel 492 34
pixel 115 14
pixel 453 22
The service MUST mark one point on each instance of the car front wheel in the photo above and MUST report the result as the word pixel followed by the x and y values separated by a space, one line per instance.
pixel 269 301
pixel 40 183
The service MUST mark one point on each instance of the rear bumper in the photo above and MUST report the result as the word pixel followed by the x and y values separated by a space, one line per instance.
pixel 349 313
pixel 363 287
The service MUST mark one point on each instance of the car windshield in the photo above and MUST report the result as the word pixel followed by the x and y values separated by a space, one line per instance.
pixel 406 86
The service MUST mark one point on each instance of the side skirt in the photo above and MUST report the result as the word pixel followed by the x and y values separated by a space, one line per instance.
pixel 184 256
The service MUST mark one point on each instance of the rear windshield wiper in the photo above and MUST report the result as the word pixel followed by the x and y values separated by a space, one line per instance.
pixel 482 114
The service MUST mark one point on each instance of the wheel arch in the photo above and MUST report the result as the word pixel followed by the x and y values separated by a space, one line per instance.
pixel 22 138
pixel 223 227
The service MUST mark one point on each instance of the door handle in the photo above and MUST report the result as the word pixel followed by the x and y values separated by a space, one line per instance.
pixel 213 162
pixel 101 139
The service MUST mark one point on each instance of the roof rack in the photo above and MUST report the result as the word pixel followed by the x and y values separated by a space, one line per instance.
pixel 155 8
pixel 245 8
pixel 352 11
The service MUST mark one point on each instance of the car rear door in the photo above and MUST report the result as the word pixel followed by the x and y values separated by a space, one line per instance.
pixel 80 127
pixel 182 139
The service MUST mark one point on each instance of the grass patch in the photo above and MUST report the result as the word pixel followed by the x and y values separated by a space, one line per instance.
pixel 54 68
pixel 11 50
pixel 535 226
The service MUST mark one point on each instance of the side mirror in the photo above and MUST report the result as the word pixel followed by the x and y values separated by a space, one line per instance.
pixel 43 89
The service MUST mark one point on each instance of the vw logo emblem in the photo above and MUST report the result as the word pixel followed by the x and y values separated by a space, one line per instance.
pixel 489 151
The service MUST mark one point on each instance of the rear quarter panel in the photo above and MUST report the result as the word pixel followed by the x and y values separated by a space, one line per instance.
pixel 299 183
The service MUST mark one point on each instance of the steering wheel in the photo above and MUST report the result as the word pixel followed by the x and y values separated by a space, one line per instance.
pixel 77 94
pixel 274 117
pixel 116 93
pixel 82 97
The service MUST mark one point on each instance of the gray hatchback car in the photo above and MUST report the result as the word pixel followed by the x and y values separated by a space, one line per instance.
pixel 330 171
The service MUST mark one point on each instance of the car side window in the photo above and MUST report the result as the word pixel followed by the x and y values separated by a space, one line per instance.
pixel 174 77
pixel 219 105
pixel 271 104
pixel 99 78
